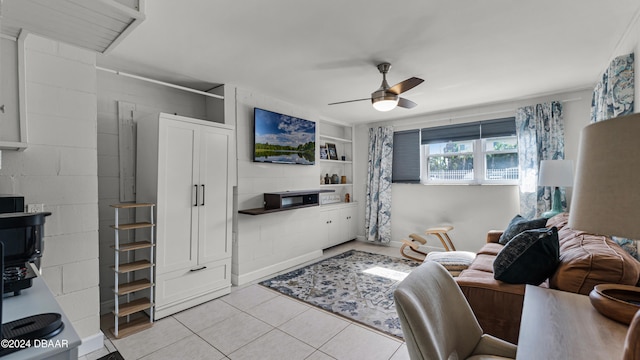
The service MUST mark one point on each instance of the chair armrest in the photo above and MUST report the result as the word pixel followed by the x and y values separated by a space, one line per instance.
pixel 494 235
pixel 490 345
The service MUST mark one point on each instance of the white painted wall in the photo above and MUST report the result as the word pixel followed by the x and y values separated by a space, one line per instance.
pixel 471 209
pixel 148 98
pixel 59 169
pixel 630 43
pixel 265 244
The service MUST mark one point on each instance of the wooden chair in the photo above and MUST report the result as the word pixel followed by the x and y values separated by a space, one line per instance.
pixel 441 232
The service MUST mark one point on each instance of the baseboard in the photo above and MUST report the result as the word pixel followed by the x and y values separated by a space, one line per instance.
pixel 170 309
pixel 91 343
pixel 243 279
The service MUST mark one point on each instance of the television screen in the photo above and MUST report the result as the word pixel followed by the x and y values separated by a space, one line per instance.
pixel 285 139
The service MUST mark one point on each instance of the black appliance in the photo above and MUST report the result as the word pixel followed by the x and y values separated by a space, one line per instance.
pixel 21 234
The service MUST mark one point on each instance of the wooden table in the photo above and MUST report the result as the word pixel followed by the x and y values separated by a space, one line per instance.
pixel 562 325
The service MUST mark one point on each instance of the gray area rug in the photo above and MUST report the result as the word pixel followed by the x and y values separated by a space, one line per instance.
pixel 356 284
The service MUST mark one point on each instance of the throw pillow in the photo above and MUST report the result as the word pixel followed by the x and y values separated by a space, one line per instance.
pixel 529 258
pixel 519 224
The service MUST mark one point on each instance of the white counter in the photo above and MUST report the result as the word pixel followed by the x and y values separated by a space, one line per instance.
pixel 38 299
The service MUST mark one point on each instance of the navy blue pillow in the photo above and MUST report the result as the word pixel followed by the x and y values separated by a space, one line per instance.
pixel 529 258
pixel 519 224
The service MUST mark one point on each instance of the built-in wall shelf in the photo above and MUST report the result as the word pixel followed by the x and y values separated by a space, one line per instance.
pixel 287 200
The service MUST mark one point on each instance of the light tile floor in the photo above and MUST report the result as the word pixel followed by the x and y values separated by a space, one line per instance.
pixel 254 322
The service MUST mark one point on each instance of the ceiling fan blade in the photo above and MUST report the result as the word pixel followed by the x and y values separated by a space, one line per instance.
pixel 407 104
pixel 349 101
pixel 406 85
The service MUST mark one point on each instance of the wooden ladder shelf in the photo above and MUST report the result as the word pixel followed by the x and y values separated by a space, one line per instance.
pixel 133 313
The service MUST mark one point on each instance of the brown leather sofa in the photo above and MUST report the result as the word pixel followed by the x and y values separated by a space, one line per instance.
pixel 585 261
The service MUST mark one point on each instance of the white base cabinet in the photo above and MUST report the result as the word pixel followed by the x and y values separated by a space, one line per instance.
pixel 185 166
pixel 339 222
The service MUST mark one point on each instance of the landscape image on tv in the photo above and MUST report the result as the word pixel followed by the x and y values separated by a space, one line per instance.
pixel 283 139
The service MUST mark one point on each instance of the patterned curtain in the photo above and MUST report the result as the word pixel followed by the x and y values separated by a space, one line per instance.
pixel 612 97
pixel 377 220
pixel 540 131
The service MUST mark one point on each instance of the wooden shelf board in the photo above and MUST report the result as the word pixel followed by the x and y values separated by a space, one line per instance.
pixel 260 211
pixel 133 286
pixel 132 327
pixel 327 137
pixel 133 246
pixel 132 205
pixel 133 266
pixel 133 307
pixel 140 225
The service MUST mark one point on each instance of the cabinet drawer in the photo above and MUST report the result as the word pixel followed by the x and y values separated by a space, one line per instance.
pixel 182 285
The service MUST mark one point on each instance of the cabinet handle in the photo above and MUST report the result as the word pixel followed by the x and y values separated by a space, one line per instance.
pixel 196 187
pixel 198 269
pixel 202 195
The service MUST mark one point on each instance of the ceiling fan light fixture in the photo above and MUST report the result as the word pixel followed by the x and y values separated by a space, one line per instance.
pixel 384 101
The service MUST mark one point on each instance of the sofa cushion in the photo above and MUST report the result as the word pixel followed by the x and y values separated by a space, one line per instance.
pixel 519 224
pixel 529 258
pixel 587 260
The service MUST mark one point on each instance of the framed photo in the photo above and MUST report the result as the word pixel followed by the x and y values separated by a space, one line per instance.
pixel 323 152
pixel 331 150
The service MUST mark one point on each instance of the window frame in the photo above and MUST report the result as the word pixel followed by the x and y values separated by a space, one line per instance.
pixel 479 154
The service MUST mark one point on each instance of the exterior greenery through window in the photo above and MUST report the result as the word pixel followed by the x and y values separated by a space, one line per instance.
pixel 490 160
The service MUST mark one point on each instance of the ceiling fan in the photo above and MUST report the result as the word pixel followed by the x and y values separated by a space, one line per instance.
pixel 386 97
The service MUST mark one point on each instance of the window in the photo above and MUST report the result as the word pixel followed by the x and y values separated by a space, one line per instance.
pixel 472 153
pixel 482 152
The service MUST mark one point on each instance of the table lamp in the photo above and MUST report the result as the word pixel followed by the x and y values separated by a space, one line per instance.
pixel 555 173
pixel 606 199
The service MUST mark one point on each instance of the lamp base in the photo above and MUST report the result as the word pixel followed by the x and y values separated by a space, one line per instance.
pixel 556 205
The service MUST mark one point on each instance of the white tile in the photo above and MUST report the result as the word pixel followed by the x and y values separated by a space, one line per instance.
pixel 319 355
pixel 356 342
pixel 248 297
pixel 192 348
pixel 235 332
pixel 206 315
pixel 274 345
pixel 97 354
pixel 163 333
pixel 401 354
pixel 278 310
pixel 314 327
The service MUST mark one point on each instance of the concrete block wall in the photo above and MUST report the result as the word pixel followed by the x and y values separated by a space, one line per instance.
pixel 147 99
pixel 59 170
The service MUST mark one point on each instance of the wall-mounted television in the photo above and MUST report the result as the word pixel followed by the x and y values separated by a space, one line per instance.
pixel 283 139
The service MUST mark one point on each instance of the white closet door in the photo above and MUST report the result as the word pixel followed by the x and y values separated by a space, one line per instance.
pixel 177 179
pixel 214 224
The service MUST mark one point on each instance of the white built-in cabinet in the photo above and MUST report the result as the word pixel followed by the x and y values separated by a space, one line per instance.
pixel 340 223
pixel 338 216
pixel 184 165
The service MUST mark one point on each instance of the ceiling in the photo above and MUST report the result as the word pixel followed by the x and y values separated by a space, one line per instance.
pixel 311 53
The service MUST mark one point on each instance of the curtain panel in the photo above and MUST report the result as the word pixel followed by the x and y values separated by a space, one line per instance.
pixel 540 132
pixel 377 220
pixel 613 95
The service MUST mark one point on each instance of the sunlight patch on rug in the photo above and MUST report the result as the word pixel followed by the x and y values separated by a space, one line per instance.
pixel 356 284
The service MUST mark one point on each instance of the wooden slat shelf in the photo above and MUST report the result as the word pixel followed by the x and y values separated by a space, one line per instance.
pixel 140 225
pixel 133 307
pixel 133 246
pixel 132 327
pixel 133 266
pixel 132 205
pixel 127 288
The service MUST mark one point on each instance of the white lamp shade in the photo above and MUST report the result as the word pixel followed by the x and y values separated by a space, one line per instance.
pixel 385 104
pixel 555 173
pixel 606 194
